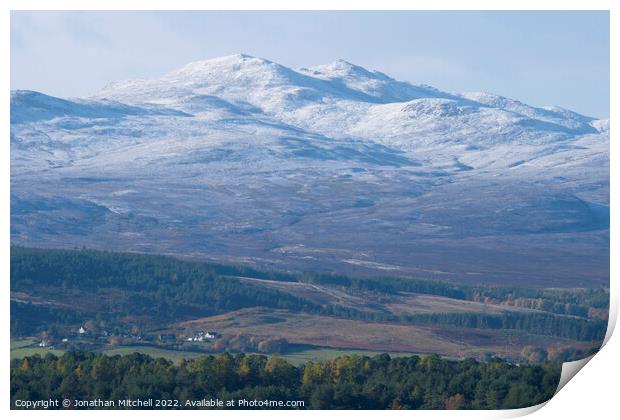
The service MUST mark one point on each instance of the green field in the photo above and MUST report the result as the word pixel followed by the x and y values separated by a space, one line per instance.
pixel 23 348
pixel 28 347
pixel 175 356
pixel 18 344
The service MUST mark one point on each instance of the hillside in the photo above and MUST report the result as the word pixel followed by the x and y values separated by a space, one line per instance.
pixel 332 168
pixel 131 300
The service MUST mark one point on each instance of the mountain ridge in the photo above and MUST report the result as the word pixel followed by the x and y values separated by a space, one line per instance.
pixel 244 159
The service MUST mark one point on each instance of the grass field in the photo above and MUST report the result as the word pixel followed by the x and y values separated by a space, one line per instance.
pixel 31 351
pixel 24 348
pixel 28 347
pixel 296 357
pixel 340 333
pixel 18 344
pixel 155 352
pixel 399 303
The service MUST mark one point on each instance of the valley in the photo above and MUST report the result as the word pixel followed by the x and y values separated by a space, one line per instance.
pixel 118 303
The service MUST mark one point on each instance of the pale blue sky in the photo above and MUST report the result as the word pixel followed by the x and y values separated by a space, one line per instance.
pixel 541 58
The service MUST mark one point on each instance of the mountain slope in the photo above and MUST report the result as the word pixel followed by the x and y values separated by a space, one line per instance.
pixel 332 167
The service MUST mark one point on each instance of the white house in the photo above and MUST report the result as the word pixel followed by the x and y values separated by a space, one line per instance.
pixel 202 336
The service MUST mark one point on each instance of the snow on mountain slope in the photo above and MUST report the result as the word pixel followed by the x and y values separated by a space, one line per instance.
pixel 242 159
pixel 372 83
pixel 240 79
pixel 344 100
pixel 579 124
pixel 29 106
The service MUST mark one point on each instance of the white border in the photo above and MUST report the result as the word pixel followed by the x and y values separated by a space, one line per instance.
pixel 310 5
pixel 592 395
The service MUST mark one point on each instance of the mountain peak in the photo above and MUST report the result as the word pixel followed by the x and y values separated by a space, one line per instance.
pixel 342 69
pixel 226 63
pixel 344 64
pixel 243 79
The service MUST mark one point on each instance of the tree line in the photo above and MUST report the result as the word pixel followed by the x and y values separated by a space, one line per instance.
pixel 347 382
pixel 576 302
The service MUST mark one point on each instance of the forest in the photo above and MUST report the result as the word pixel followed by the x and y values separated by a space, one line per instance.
pixel 160 289
pixel 348 382
pixel 150 302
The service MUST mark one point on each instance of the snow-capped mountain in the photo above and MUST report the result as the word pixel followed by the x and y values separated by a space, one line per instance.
pixel 333 167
